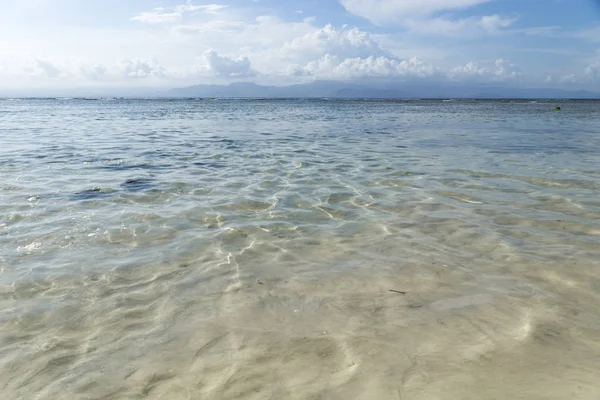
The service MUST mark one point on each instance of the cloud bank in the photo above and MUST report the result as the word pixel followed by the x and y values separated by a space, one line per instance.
pixel 192 43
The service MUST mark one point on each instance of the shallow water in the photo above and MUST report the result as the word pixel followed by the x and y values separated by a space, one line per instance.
pixel 296 249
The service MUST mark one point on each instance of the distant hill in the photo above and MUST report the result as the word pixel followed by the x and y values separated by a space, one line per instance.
pixel 380 90
pixel 319 89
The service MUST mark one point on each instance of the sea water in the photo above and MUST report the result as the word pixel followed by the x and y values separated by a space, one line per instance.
pixel 299 249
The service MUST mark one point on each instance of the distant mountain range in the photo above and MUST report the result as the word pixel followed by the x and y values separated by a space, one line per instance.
pixel 319 89
pixel 327 89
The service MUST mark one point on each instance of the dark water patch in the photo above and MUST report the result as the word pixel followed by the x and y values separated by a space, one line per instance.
pixel 139 184
pixel 93 193
pixel 211 164
pixel 408 173
pixel 160 154
pixel 226 141
pixel 141 166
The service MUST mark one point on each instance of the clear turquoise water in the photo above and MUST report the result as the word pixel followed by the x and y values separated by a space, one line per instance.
pixel 246 249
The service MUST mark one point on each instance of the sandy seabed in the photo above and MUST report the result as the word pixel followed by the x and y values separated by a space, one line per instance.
pixel 399 317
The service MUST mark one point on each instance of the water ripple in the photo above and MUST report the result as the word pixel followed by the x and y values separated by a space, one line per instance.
pixel 297 249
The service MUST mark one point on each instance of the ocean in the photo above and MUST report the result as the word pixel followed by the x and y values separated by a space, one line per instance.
pixel 299 249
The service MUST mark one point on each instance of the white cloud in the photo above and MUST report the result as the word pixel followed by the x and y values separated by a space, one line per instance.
pixel 209 8
pixel 591 75
pixel 211 64
pixel 570 79
pixel 94 72
pixel 231 32
pixel 461 27
pixel 139 69
pixel 320 53
pixel 429 17
pixel 213 26
pixel 344 43
pixel 332 67
pixel 157 16
pixel 222 66
pixel 589 79
pixel 123 70
pixel 492 23
pixel 384 12
pixel 593 71
pixel 499 70
pixel 173 15
pixel 268 48
pixel 44 69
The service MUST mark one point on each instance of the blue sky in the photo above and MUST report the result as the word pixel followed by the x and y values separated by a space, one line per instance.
pixel 172 43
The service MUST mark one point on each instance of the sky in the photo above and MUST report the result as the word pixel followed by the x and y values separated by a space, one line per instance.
pixel 48 44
